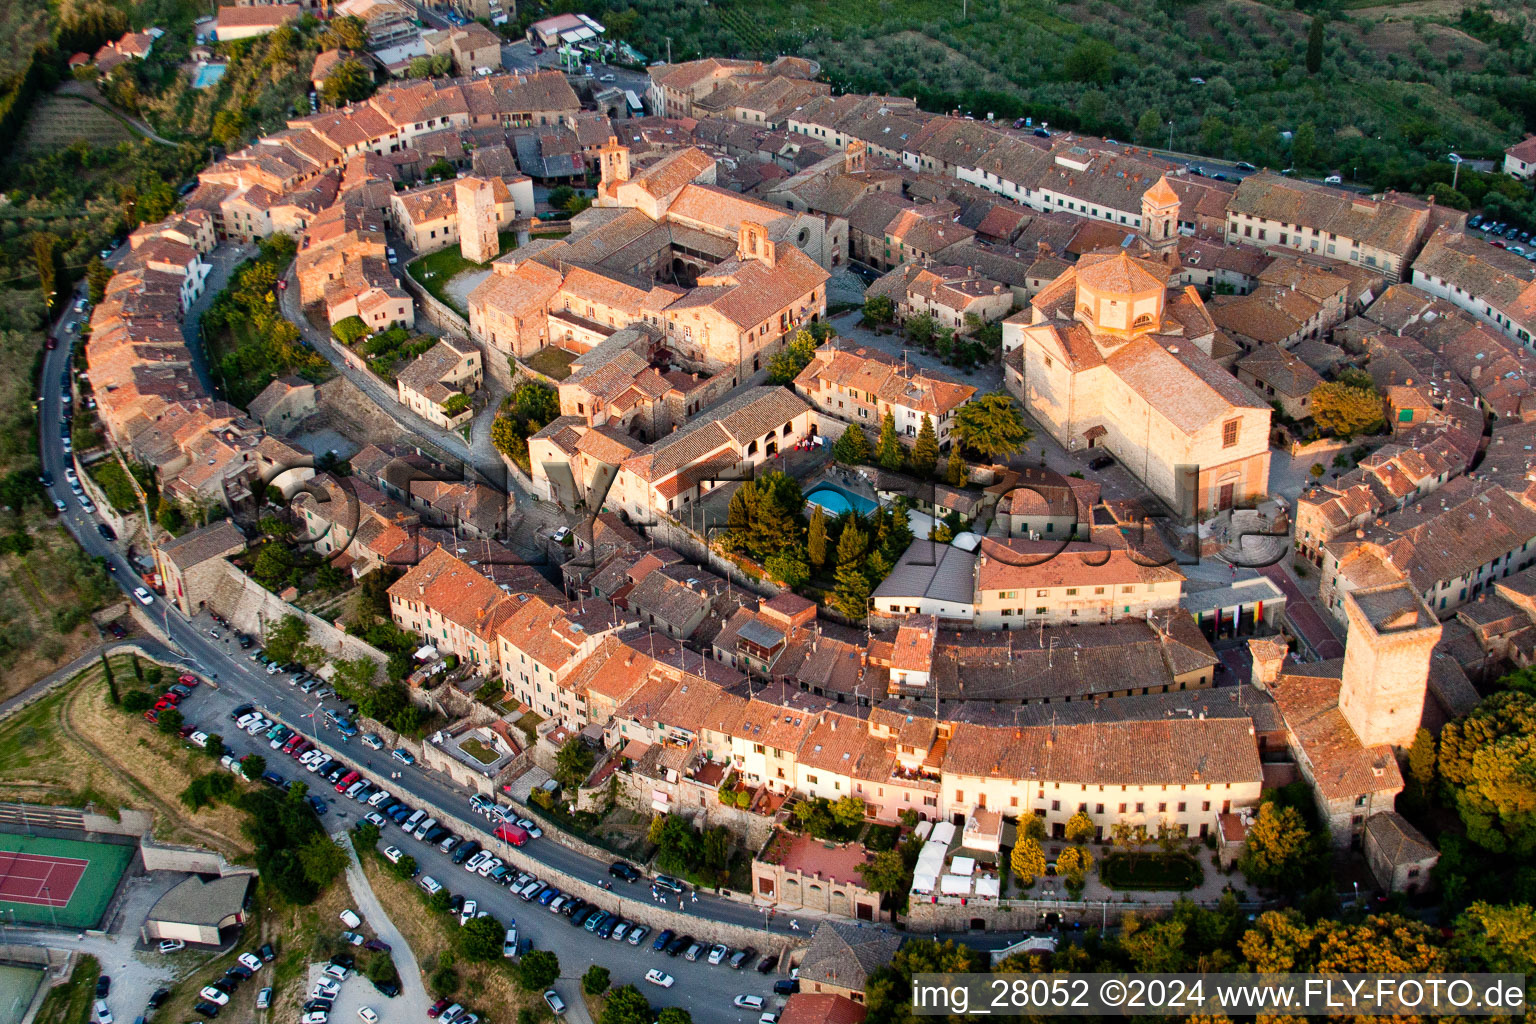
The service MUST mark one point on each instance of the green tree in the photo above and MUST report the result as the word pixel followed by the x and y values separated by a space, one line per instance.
pixel 673 1014
pixel 45 264
pixel 879 309
pixel 764 516
pixel 991 424
pixel 888 450
pixel 789 567
pixel 365 834
pixel 920 328
pixel 406 867
pixel 1280 850
pixel 252 766
pixel 97 274
pixel 170 721
pixel 1027 861
pixel 285 637
pixel 1149 128
pixel 816 538
pixel 595 981
pixel 1073 864
pixel 1032 826
pixel 479 941
pixel 1315 43
pixel 848 811
pixel 851 595
pixel 1080 828
pixel 274 564
pixel 1304 145
pixel 625 1005
pixel 1498 939
pixel 345 33
pixel 851 543
pixel 322 859
pixel 1488 766
pixel 853 447
pixel 136 702
pixel 1421 759
pixel 886 872
pixel 955 472
pixel 573 763
pixel 925 450
pixel 1092 60
pixel 1345 410
pixel 787 363
pixel 538 970
pixel 348 82
pixel 106 671
pixel 228 128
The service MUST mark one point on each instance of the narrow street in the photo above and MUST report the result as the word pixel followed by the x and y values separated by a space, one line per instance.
pixel 1304 615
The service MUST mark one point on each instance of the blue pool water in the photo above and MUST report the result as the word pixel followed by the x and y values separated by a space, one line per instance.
pixel 208 74
pixel 837 501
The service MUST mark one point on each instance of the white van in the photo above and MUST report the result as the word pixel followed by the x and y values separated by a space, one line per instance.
pixel 415 819
pixel 425 827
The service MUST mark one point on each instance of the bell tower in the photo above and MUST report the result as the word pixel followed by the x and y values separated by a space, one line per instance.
pixel 856 157
pixel 1160 218
pixel 613 162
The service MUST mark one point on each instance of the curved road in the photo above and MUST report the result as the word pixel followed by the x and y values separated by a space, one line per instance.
pixel 239 680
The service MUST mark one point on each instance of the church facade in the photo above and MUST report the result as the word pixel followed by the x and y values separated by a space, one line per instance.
pixel 1109 355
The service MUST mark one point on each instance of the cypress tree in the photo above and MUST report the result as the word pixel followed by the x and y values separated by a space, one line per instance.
pixel 925 450
pixel 816 539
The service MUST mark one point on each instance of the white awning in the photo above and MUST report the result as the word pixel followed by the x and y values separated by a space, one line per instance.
pixel 426 653
pixel 988 887
pixel 955 885
pixel 962 865
pixel 924 883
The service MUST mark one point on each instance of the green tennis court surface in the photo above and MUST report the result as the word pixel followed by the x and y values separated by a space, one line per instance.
pixel 58 881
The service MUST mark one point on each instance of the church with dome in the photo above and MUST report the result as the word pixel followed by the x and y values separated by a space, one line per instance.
pixel 1114 354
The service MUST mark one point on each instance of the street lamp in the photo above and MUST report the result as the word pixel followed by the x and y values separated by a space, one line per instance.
pixel 48 896
pixel 1170 135
pixel 1455 160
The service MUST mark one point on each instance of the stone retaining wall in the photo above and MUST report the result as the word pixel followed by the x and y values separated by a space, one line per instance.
pixel 251 608
pixel 632 902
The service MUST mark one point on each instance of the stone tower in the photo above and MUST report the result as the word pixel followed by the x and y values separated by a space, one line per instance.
pixel 613 162
pixel 1160 218
pixel 1268 654
pixel 856 157
pixel 478 241
pixel 1392 635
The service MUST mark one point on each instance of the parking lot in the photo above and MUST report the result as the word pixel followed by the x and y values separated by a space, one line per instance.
pixel 705 990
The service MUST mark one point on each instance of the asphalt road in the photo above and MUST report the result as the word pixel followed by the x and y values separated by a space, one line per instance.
pixel 240 680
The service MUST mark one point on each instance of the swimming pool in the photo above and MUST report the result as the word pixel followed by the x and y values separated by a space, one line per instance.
pixel 837 501
pixel 208 74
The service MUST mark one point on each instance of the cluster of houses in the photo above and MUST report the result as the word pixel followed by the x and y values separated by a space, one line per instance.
pixel 1159 315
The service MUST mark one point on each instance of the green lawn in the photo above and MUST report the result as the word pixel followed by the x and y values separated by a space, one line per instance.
pixel 554 363
pixel 434 270
pixel 70 1003
pixel 1176 872
pixel 479 751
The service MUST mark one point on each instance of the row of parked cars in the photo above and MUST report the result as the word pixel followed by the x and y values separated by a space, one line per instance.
pixel 214 996
pixel 174 694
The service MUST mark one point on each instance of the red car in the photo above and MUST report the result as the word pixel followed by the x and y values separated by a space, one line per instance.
pixel 293 741
pixel 152 715
pixel 437 1008
pixel 513 834
pixel 303 748
pixel 347 780
pixel 174 698
pixel 189 680
pixel 163 705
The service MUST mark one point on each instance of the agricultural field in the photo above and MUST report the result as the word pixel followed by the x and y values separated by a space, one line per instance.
pixel 1396 85
pixel 74 747
pixel 46 596
pixel 58 121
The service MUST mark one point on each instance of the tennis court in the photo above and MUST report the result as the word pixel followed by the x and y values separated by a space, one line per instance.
pixel 58 881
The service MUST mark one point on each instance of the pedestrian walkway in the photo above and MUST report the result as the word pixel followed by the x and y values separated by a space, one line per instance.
pixel 412 1003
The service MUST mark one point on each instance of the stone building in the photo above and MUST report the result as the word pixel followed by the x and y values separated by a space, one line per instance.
pixel 796 872
pixel 187 566
pixel 1109 356
pixel 1399 856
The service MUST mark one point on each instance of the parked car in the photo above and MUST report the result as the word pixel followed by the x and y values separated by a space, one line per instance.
pixel 554 1002
pixel 669 883
pixel 662 940
pixel 748 1002
pixel 169 946
pixel 659 978
pixel 718 953
pixel 250 960
pixel 637 934
pixel 742 958
pixel 623 869
pixel 264 998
